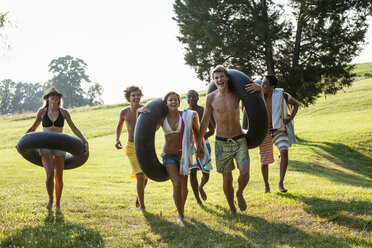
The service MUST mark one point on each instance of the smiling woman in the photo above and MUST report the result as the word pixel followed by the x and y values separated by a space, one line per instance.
pixel 52 117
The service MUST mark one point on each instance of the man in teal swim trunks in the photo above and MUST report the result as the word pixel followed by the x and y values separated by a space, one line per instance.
pixel 230 142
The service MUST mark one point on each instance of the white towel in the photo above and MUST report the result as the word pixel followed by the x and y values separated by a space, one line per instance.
pixel 278 103
pixel 280 112
pixel 188 144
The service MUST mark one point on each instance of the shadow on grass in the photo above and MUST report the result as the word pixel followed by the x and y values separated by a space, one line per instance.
pixel 54 233
pixel 187 234
pixel 342 155
pixel 329 173
pixel 240 230
pixel 263 233
pixel 339 212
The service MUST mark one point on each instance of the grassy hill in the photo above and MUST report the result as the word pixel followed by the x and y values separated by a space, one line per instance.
pixel 329 203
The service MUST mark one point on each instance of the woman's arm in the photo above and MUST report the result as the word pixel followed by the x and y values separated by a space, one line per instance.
pixel 37 121
pixel 75 130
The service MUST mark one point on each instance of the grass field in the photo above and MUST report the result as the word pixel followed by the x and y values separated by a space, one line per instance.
pixel 329 203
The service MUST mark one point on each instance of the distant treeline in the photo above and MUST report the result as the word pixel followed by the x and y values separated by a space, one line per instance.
pixel 69 77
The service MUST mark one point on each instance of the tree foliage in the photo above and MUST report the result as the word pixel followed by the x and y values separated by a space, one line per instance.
pixel 308 44
pixel 19 97
pixel 2 19
pixel 4 23
pixel 69 78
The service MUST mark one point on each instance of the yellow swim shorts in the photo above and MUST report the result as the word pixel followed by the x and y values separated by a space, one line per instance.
pixel 130 152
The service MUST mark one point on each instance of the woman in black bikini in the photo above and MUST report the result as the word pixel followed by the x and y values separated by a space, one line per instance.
pixel 54 160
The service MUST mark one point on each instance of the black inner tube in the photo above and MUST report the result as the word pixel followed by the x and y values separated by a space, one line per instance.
pixel 144 141
pixel 254 105
pixel 29 144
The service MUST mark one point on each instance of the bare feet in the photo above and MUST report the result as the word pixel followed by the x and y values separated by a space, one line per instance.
pixel 50 204
pixel 282 189
pixel 200 203
pixel 142 209
pixel 181 218
pixel 233 211
pixel 202 193
pixel 137 203
pixel 267 189
pixel 241 202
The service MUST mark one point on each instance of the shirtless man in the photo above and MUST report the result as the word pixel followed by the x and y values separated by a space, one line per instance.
pixel 277 134
pixel 230 141
pixel 192 99
pixel 128 115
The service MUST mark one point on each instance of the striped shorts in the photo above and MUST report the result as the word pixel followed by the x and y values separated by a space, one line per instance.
pixel 280 139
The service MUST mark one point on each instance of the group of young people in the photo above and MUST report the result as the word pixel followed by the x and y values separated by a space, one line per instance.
pixel 230 143
pixel 222 105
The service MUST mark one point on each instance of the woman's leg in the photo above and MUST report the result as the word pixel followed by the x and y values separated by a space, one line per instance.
pixel 59 163
pixel 47 160
pixel 172 171
pixel 184 191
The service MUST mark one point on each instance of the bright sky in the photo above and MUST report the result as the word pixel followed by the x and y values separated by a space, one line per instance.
pixel 123 42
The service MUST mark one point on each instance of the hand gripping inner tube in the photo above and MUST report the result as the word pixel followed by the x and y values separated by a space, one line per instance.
pixel 144 141
pixel 254 105
pixel 29 143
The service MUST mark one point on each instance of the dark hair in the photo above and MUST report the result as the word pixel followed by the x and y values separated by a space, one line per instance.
pixel 272 79
pixel 129 91
pixel 219 68
pixel 192 91
pixel 165 99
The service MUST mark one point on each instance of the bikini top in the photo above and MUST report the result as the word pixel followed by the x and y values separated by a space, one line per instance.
pixel 47 122
pixel 168 130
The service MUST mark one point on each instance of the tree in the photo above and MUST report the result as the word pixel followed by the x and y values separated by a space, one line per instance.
pixel 19 97
pixel 32 95
pixel 7 88
pixel 94 93
pixel 69 78
pixel 4 22
pixel 309 48
pixel 69 75
pixel 2 19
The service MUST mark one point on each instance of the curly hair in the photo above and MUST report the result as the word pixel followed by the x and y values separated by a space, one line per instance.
pixel 129 90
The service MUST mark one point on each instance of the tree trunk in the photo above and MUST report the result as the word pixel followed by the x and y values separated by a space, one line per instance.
pixel 296 53
pixel 267 41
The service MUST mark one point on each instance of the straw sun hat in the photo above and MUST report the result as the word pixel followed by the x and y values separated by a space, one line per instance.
pixel 50 91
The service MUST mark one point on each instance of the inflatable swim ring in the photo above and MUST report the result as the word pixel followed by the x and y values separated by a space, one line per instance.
pixel 144 141
pixel 29 144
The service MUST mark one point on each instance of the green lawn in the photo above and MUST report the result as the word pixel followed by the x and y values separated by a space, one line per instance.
pixel 363 69
pixel 329 203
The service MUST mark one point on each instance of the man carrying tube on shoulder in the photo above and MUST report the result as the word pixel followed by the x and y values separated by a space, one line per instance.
pixel 230 142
